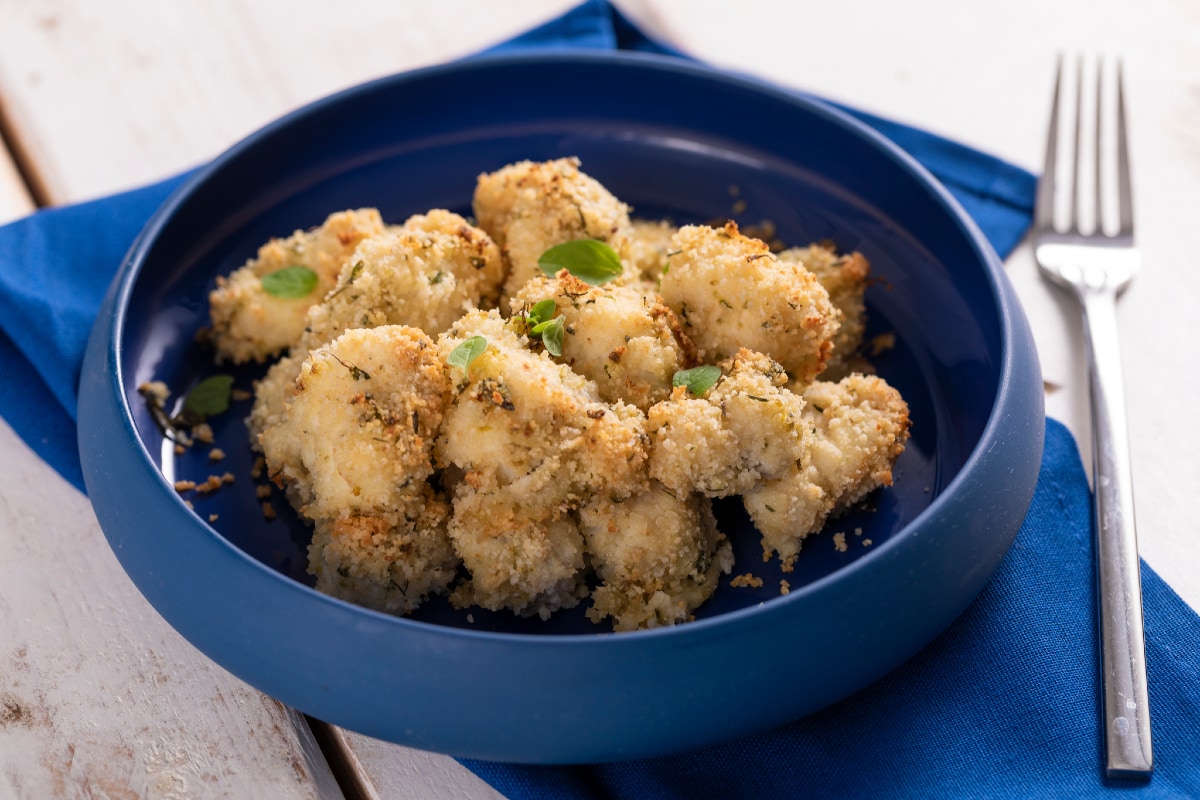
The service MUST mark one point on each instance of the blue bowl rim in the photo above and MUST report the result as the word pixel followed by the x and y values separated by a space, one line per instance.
pixel 1005 308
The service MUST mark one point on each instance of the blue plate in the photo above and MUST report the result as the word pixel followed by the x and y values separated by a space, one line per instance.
pixel 671 139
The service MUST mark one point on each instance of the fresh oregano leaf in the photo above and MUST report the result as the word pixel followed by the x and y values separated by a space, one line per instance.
pixel 290 282
pixel 542 311
pixel 209 397
pixel 590 260
pixel 552 335
pixel 466 352
pixel 698 380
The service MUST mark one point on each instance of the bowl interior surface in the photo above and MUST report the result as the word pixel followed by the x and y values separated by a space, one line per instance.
pixel 408 146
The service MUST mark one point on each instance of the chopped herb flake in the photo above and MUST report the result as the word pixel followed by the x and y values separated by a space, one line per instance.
pixel 698 380
pixel 590 260
pixel 210 396
pixel 468 351
pixel 290 283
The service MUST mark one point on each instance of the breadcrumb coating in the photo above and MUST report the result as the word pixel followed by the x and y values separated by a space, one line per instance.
pixel 650 247
pixel 659 556
pixel 388 562
pixel 529 562
pixel 845 278
pixel 424 274
pixel 533 441
pixel 354 452
pixel 745 430
pixel 731 292
pixel 518 419
pixel 529 207
pixel 248 324
pixel 859 428
pixel 625 340
pixel 427 274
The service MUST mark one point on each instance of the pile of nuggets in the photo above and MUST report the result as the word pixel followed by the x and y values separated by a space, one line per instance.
pixel 522 478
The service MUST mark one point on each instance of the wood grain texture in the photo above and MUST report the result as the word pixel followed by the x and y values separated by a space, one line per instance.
pixel 106 96
pixel 99 696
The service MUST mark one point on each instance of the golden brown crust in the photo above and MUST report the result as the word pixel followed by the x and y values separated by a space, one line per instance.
pixel 731 292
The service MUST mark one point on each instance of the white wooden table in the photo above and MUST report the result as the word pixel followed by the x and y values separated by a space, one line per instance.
pixel 100 698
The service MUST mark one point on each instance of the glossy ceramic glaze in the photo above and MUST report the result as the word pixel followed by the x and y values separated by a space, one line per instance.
pixel 673 140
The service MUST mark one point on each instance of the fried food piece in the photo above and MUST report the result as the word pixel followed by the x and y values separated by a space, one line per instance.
pixel 248 323
pixel 626 341
pixel 354 452
pixel 529 207
pixel 424 274
pixel 745 430
pixel 519 419
pixel 388 562
pixel 533 441
pixel 845 278
pixel 650 247
pixel 659 556
pixel 860 427
pixel 731 292
pixel 526 562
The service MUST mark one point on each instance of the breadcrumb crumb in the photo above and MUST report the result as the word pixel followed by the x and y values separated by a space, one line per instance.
pixel 746 579
pixel 839 542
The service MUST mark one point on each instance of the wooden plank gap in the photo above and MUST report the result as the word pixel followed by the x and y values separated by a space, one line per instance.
pixel 11 141
pixel 349 773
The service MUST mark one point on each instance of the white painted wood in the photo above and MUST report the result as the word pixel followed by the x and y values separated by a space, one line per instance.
pixel 99 697
pixel 109 95
pixel 393 771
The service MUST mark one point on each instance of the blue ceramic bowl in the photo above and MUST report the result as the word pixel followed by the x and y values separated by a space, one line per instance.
pixel 671 139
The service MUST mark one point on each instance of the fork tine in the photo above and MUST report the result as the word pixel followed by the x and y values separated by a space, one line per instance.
pixel 1074 218
pixel 1098 149
pixel 1124 189
pixel 1043 206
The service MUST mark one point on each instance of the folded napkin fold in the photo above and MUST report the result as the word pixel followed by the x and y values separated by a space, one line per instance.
pixel 1003 704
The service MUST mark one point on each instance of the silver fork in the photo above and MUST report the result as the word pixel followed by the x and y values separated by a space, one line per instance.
pixel 1096 266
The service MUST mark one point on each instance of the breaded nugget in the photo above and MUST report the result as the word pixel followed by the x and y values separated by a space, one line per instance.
pixel 424 274
pixel 527 561
pixel 626 341
pixel 354 452
pixel 532 441
pixel 519 419
pixel 389 562
pixel 529 207
pixel 357 436
pixel 658 554
pixel 859 428
pixel 731 292
pixel 845 278
pixel 745 430
pixel 249 324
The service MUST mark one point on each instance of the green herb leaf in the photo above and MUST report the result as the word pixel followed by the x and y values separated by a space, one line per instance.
pixel 698 380
pixel 290 282
pixel 552 335
pixel 542 311
pixel 590 260
pixel 210 396
pixel 468 351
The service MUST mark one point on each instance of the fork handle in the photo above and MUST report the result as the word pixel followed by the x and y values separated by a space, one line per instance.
pixel 1126 711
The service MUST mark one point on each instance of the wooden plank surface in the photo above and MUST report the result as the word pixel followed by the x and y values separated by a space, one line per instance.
pixel 103 97
pixel 99 697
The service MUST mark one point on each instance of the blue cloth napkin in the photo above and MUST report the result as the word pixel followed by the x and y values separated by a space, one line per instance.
pixel 1003 704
